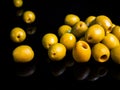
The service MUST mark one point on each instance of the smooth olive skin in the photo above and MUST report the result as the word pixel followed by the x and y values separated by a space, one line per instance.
pixel 105 22
pixel 71 19
pixel 18 3
pixel 29 17
pixel 18 35
pixel 79 29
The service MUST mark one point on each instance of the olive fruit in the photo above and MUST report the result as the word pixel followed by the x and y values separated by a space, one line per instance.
pixel 90 20
pixel 69 40
pixel 111 41
pixel 17 34
pixel 95 34
pixel 49 39
pixel 64 29
pixel 115 54
pixel 116 31
pixel 71 19
pixel 100 52
pixel 57 52
pixel 105 22
pixel 23 54
pixel 79 28
pixel 81 52
pixel 18 3
pixel 29 17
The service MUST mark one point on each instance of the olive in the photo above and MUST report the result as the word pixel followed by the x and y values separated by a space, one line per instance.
pixel 29 16
pixel 18 3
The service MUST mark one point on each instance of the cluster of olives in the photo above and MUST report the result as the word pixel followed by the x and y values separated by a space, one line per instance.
pixel 96 36
pixel 22 53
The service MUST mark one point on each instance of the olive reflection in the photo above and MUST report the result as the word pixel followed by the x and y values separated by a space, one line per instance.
pixel 30 30
pixel 89 72
pixel 57 68
pixel 97 72
pixel 19 12
pixel 102 71
pixel 24 70
pixel 69 62
pixel 81 71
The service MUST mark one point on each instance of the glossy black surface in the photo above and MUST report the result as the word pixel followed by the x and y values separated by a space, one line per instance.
pixel 49 16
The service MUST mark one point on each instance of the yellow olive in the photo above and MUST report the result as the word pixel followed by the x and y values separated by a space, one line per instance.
pixel 81 52
pixel 29 16
pixel 64 29
pixel 105 22
pixel 49 39
pixel 71 19
pixel 17 35
pixel 90 20
pixel 18 3
pixel 111 41
pixel 95 34
pixel 23 54
pixel 79 28
pixel 100 52
pixel 116 31
pixel 115 54
pixel 57 52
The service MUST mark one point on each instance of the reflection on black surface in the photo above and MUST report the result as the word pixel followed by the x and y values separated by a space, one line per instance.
pixel 68 68
pixel 81 71
pixel 102 71
pixel 19 12
pixel 30 30
pixel 57 68
pixel 97 72
pixel 76 71
pixel 24 69
pixel 69 62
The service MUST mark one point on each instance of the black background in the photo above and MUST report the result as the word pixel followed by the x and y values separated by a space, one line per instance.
pixel 49 16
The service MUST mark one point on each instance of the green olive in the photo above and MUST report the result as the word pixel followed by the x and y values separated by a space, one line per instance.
pixel 95 34
pixel 18 3
pixel 105 22
pixel 17 34
pixel 29 16
pixel 90 20
pixel 79 28
pixel 71 19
